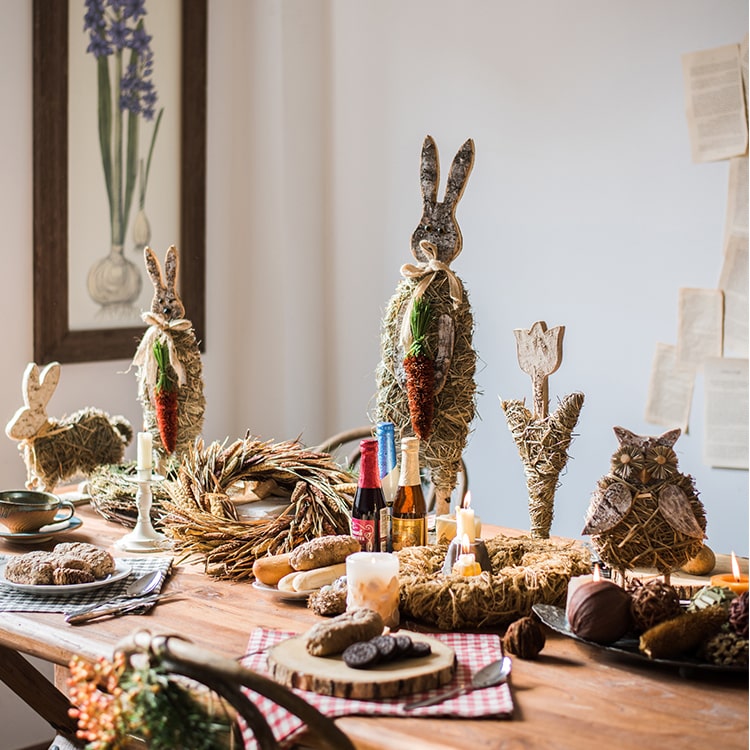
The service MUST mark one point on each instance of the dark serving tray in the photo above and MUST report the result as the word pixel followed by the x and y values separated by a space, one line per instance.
pixel 554 618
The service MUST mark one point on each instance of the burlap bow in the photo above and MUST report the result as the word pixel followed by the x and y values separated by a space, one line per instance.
pixel 426 272
pixel 159 328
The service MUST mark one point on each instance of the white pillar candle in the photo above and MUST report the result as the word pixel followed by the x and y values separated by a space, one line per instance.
pixel 145 458
pixel 465 524
pixel 445 528
pixel 372 583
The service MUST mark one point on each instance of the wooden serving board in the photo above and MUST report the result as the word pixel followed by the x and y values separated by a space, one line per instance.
pixel 290 664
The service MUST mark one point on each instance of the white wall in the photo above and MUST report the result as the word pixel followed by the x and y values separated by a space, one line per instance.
pixel 583 209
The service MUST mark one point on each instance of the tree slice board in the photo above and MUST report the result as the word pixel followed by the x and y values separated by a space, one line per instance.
pixel 290 664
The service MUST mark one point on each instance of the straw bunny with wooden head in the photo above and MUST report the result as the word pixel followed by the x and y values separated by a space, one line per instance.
pixel 57 449
pixel 426 376
pixel 170 382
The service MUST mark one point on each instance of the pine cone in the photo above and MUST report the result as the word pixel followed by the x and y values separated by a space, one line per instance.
pixel 738 615
pixel 726 649
pixel 652 603
pixel 524 638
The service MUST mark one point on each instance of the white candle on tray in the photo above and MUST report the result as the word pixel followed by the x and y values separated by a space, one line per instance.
pixel 145 457
pixel 465 520
pixel 372 583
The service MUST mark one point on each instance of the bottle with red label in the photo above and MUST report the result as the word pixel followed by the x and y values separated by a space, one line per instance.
pixel 369 514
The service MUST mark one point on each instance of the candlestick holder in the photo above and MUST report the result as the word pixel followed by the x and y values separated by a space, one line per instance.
pixel 455 549
pixel 144 537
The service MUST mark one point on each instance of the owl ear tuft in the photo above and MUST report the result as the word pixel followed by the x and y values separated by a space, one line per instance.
pixel 625 437
pixel 669 438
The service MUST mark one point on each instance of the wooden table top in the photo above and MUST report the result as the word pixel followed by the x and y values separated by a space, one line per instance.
pixel 573 696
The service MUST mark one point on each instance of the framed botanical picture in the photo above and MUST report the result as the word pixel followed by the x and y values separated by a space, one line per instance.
pixel 119 164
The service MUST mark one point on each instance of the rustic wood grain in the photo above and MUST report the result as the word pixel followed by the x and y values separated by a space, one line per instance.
pixel 573 697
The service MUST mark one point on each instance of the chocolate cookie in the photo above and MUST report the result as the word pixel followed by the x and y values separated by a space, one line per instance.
pixel 362 655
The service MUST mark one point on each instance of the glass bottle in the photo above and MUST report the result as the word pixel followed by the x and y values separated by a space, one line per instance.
pixel 409 523
pixel 369 519
pixel 388 469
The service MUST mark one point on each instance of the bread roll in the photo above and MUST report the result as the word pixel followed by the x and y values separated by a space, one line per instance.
pixel 272 568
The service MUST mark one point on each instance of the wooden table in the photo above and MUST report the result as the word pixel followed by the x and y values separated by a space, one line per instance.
pixel 573 696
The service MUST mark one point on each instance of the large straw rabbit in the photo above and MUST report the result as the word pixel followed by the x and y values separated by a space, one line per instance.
pixel 435 243
pixel 57 449
pixel 167 325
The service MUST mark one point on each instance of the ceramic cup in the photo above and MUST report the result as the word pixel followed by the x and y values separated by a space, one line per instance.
pixel 24 511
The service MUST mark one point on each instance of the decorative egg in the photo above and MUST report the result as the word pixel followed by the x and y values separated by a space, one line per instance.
pixel 599 611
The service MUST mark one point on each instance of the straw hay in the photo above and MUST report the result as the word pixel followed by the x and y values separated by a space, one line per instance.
pixel 525 571
pixel 455 404
pixel 543 445
pixel 203 522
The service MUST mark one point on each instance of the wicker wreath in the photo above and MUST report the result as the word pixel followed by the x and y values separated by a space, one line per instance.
pixel 525 571
pixel 203 522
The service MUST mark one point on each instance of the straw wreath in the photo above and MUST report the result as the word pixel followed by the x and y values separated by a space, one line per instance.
pixel 203 521
pixel 525 571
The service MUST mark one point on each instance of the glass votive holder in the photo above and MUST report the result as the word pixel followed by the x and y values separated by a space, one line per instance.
pixel 372 583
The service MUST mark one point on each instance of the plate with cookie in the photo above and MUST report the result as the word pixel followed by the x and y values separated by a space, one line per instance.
pixel 69 568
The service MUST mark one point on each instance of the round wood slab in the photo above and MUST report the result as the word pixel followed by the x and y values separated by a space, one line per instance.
pixel 290 664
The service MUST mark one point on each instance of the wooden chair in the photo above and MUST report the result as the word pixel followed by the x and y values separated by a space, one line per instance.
pixel 340 446
pixel 226 678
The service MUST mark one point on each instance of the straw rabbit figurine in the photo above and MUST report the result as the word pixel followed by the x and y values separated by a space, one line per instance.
pixel 444 342
pixel 181 370
pixel 57 449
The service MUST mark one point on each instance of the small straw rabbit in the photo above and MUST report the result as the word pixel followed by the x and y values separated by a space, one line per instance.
pixel 172 335
pixel 55 450
pixel 446 341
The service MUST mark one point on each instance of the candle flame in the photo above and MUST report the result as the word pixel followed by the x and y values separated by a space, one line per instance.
pixel 466 502
pixel 597 575
pixel 465 544
pixel 735 568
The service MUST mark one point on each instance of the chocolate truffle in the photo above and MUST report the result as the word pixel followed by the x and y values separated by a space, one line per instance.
pixel 524 638
pixel 652 603
pixel 599 611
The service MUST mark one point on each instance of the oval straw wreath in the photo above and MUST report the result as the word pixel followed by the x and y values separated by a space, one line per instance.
pixel 203 521
pixel 525 571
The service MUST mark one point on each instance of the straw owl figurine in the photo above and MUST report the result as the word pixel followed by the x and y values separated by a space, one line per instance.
pixel 425 378
pixel 170 383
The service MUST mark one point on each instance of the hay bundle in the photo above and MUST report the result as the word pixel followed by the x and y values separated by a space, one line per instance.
pixel 525 571
pixel 543 446
pixel 455 404
pixel 203 521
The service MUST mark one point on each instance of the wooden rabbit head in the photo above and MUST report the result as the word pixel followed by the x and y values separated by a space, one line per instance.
pixel 166 302
pixel 37 391
pixel 438 224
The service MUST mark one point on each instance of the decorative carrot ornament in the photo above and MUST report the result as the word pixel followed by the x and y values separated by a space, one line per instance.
pixel 165 397
pixel 420 371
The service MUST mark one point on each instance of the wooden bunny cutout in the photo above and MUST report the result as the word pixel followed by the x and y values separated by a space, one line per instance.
pixel 446 340
pixel 171 333
pixel 55 450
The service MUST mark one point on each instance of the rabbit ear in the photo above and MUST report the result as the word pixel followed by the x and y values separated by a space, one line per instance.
pixel 170 268
pixel 429 173
pixel 459 172
pixel 153 267
pixel 37 391
pixel 48 380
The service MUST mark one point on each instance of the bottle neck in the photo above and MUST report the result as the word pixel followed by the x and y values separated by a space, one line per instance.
pixel 386 447
pixel 409 462
pixel 369 475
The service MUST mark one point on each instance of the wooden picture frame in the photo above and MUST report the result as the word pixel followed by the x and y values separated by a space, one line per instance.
pixel 53 339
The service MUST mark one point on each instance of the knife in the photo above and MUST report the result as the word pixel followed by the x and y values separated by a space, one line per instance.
pixel 116 610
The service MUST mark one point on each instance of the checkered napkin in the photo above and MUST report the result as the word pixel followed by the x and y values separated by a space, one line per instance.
pixel 473 651
pixel 15 600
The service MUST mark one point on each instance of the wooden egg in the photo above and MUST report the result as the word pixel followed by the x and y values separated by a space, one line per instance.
pixel 599 611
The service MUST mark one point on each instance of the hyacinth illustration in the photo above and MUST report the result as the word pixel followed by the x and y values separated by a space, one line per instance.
pixel 126 94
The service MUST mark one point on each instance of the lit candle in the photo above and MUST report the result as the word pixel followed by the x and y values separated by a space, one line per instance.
pixel 145 459
pixel 467 564
pixel 372 583
pixel 465 520
pixel 736 581
pixel 445 527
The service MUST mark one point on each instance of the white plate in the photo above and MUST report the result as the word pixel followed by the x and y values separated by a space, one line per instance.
pixel 290 596
pixel 122 570
pixel 43 534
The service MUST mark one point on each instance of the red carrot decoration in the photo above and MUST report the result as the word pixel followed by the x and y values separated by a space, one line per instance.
pixel 420 371
pixel 165 398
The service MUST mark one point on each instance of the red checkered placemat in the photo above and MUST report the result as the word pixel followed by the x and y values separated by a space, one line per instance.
pixel 473 651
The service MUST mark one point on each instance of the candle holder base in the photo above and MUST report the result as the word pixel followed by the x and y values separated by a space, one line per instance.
pixel 144 537
pixel 455 548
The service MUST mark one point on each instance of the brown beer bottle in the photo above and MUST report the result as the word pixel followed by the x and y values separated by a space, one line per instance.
pixel 409 524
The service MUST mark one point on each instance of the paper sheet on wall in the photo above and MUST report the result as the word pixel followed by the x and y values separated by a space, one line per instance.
pixel 726 404
pixel 734 283
pixel 715 103
pixel 670 389
pixel 737 198
pixel 700 325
